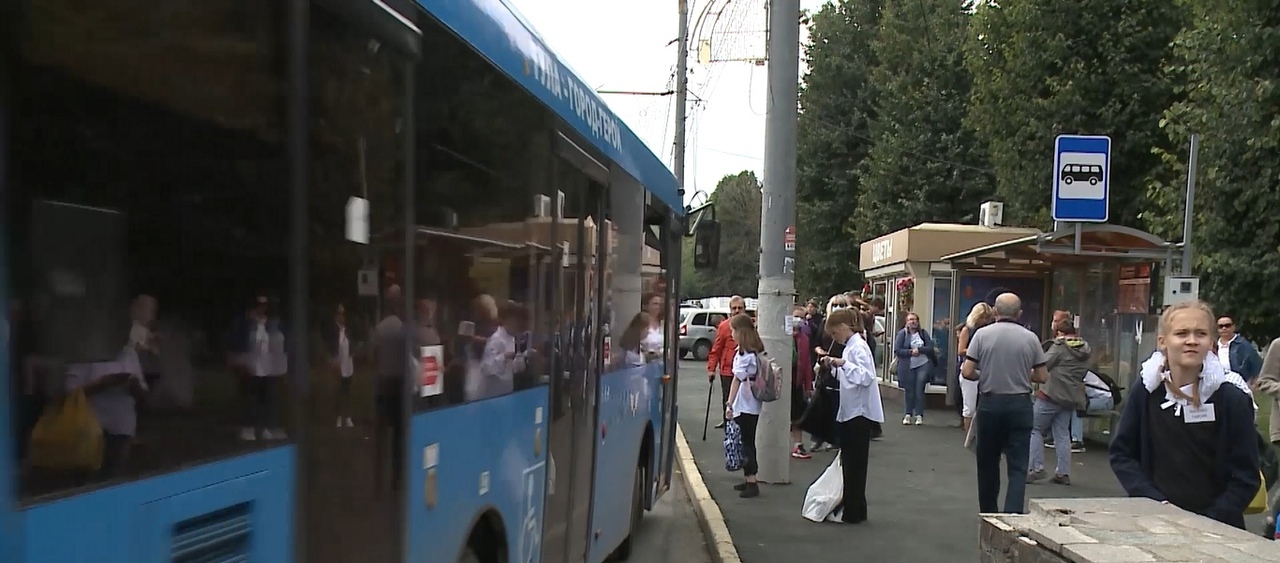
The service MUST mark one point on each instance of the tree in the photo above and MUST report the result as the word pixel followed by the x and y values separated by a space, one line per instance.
pixel 1229 62
pixel 835 110
pixel 925 164
pixel 1047 67
pixel 737 199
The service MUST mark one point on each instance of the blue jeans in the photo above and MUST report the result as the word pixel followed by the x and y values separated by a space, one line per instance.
pixel 913 388
pixel 1096 404
pixel 1050 415
pixel 1004 427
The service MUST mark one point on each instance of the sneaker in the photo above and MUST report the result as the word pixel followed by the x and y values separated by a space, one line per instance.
pixel 1036 475
pixel 350 423
pixel 721 425
pixel 816 447
pixel 799 453
pixel 1077 447
pixel 751 490
pixel 919 420
pixel 339 424
pixel 1061 480
pixel 1048 444
pixel 248 435
pixel 906 420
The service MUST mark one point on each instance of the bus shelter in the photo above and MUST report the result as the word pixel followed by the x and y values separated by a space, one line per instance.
pixel 905 268
pixel 1103 274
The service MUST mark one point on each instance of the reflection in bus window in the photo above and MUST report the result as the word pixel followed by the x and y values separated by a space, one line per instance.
pixel 483 247
pixel 156 135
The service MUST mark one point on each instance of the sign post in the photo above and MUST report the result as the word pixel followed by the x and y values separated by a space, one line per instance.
pixel 1081 179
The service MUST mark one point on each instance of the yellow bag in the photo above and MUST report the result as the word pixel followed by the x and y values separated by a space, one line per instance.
pixel 1259 503
pixel 67 437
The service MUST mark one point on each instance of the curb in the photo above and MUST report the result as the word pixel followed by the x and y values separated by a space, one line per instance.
pixel 714 530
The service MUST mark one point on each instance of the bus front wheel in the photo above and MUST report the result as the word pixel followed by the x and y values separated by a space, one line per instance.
pixel 637 512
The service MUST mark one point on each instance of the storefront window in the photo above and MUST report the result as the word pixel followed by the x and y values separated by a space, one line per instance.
pixel 942 333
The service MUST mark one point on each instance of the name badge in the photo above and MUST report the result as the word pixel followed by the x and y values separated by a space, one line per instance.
pixel 1193 415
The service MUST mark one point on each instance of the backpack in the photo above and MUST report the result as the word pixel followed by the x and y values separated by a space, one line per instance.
pixel 767 385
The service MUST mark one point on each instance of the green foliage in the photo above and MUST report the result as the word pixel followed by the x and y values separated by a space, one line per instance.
pixel 737 199
pixel 1047 67
pixel 836 104
pixel 925 165
pixel 1228 67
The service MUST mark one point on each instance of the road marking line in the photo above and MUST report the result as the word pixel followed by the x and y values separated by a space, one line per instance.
pixel 714 530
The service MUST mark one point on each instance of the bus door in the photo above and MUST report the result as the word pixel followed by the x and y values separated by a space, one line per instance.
pixel 352 460
pixel 672 241
pixel 571 434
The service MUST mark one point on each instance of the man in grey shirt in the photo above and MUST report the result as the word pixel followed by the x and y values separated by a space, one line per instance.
pixel 1005 359
pixel 392 359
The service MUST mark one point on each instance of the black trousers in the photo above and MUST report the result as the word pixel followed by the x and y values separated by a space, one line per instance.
pixel 747 423
pixel 855 452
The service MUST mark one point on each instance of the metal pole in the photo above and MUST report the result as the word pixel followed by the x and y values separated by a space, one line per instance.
pixel 1191 204
pixel 682 93
pixel 778 213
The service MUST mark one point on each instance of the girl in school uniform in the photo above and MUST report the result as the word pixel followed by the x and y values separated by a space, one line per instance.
pixel 860 409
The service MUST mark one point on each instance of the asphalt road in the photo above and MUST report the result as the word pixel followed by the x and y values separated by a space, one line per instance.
pixel 921 491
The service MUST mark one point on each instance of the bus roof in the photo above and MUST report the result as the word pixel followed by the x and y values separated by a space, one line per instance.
pixel 500 35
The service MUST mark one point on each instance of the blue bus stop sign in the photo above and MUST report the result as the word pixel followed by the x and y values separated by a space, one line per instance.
pixel 1081 178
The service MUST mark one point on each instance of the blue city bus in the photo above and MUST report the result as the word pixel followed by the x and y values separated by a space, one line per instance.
pixel 325 281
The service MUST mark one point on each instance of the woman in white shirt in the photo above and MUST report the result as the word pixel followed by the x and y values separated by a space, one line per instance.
pixel 743 407
pixel 860 409
pixel 631 345
pixel 653 338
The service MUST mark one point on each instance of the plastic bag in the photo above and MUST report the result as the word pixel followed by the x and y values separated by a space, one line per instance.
pixel 67 436
pixel 825 494
pixel 1259 503
pixel 971 437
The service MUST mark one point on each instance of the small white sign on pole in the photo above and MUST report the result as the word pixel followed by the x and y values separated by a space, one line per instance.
pixel 358 220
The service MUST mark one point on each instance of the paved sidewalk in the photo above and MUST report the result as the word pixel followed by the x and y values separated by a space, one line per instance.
pixel 922 493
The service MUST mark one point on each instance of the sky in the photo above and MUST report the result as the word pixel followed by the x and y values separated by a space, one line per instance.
pixel 629 45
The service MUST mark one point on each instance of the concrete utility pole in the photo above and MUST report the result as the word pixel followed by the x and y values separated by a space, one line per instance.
pixel 1188 219
pixel 682 93
pixel 777 232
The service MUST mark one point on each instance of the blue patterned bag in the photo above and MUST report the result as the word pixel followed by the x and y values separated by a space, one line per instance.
pixel 732 446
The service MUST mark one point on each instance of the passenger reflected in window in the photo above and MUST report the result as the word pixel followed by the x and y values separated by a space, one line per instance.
pixel 341 353
pixel 146 344
pixel 113 389
pixel 393 363
pixel 502 358
pixel 632 343
pixel 654 340
pixel 261 363
pixel 425 308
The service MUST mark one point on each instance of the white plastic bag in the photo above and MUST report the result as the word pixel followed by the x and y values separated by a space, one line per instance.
pixel 825 493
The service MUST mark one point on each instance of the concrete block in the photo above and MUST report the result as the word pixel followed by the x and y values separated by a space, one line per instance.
pixel 1054 538
pixel 1102 553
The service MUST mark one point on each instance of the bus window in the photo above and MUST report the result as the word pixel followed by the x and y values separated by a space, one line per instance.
pixel 151 138
pixel 358 359
pixel 485 244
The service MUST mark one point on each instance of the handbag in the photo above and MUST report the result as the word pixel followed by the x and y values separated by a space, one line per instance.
pixel 732 446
